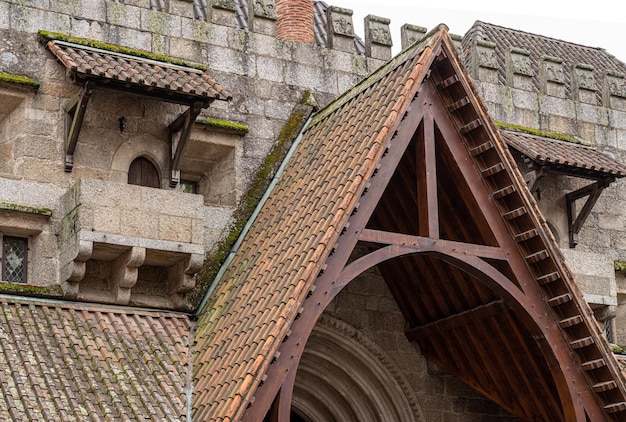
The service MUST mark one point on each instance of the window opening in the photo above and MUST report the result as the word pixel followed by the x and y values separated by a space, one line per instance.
pixel 14 259
pixel 188 186
pixel 142 172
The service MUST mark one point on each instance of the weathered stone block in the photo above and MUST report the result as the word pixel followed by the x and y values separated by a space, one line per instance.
pixel 377 37
pixel 519 71
pixel 552 77
pixel 120 14
pixel 340 29
pixel 410 34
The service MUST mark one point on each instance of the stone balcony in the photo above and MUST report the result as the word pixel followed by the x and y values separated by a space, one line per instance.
pixel 128 244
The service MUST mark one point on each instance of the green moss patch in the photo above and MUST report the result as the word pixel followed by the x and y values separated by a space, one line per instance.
pixel 216 258
pixel 543 133
pixel 28 290
pixel 120 49
pixel 224 125
pixel 619 265
pixel 19 80
pixel 25 208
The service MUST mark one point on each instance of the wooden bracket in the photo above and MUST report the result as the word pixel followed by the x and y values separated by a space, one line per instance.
pixel 575 222
pixel 180 131
pixel 76 111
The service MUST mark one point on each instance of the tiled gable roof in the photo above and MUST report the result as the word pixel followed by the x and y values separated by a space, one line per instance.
pixel 62 362
pixel 540 46
pixel 259 295
pixel 565 156
pixel 153 77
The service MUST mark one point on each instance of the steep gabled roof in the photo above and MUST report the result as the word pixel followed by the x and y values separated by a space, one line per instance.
pixel 75 362
pixel 408 164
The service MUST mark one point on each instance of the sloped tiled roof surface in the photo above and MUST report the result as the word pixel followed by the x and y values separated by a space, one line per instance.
pixel 539 46
pixel 564 155
pixel 259 295
pixel 158 77
pixel 61 362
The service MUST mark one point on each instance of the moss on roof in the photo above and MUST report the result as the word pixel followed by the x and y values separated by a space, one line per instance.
pixel 19 79
pixel 120 49
pixel 227 125
pixel 543 133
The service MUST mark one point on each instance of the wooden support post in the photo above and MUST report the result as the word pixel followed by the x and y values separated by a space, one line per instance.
pixel 427 181
pixel 76 110
pixel 575 222
pixel 180 131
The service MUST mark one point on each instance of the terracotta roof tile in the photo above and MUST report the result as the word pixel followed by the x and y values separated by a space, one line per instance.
pixel 149 75
pixel 71 362
pixel 565 156
pixel 259 296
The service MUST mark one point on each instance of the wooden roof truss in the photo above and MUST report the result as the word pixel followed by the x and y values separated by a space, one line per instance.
pixel 449 221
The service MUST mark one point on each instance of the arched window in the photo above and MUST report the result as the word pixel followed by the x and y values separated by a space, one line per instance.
pixel 143 172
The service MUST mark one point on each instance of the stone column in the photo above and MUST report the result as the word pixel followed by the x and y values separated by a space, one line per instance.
pixel 377 37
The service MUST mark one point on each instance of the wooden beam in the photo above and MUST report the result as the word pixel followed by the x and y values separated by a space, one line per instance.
pixel 418 243
pixel 180 131
pixel 455 321
pixel 427 180
pixel 575 222
pixel 76 110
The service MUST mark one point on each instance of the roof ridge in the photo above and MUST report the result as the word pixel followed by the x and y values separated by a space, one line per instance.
pixel 480 23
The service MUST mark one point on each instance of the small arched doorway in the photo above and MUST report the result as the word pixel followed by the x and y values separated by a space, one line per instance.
pixel 142 172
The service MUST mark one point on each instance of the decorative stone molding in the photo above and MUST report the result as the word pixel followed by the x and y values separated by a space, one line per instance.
pixel 552 77
pixel 340 29
pixel 264 9
pixel 411 33
pixel 377 37
pixel 519 71
pixel 341 345
pixel 584 84
pixel 181 277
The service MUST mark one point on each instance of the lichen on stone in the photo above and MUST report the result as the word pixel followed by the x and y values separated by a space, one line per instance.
pixel 25 208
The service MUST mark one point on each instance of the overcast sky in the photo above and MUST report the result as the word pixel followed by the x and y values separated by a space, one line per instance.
pixel 600 23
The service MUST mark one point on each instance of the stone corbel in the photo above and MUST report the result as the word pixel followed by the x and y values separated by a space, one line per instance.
pixel 76 111
pixel 575 222
pixel 180 131
pixel 124 271
pixel 78 267
pixel 181 277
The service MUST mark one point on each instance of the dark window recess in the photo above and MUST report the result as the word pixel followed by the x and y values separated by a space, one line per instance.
pixel 142 172
pixel 188 186
pixel 14 259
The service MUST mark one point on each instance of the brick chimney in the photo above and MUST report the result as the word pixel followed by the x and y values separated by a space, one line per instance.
pixel 295 20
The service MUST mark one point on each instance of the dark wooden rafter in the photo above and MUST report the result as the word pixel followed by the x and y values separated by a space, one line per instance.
pixel 575 222
pixel 180 131
pixel 76 110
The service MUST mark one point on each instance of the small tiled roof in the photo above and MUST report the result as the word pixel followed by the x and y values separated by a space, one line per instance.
pixel 565 156
pixel 259 295
pixel 152 77
pixel 72 362
pixel 541 46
